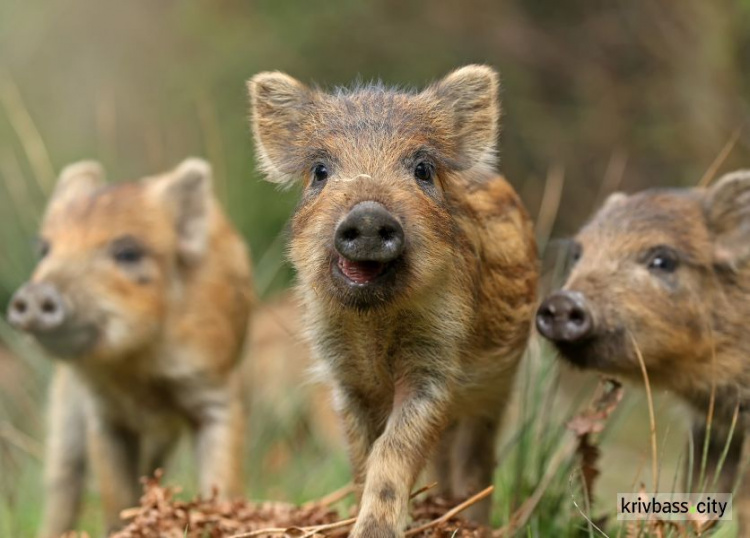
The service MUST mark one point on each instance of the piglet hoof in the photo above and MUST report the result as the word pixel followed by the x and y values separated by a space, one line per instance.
pixel 370 527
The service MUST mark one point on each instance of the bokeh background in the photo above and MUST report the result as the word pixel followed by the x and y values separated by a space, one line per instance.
pixel 597 96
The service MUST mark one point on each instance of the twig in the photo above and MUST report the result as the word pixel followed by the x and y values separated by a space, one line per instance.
pixel 720 158
pixel 20 440
pixel 129 513
pixel 423 489
pixel 27 133
pixel 453 511
pixel 331 498
pixel 613 175
pixel 260 532
pixel 550 204
pixel 633 485
pixel 522 515
pixel 211 131
pixel 330 526
pixel 584 513
pixel 337 496
pixel 725 451
pixel 710 418
pixel 270 263
pixel 651 416
pixel 351 521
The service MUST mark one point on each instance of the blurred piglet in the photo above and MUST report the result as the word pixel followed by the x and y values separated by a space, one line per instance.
pixel 143 294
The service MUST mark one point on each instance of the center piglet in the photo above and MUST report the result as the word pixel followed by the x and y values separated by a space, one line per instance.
pixel 417 269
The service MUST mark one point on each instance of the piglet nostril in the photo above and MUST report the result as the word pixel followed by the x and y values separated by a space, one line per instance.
pixel 19 305
pixel 349 234
pixel 20 310
pixel 577 316
pixel 51 312
pixel 387 233
pixel 49 306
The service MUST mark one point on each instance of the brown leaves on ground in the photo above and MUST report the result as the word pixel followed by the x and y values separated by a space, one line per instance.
pixel 433 508
pixel 160 514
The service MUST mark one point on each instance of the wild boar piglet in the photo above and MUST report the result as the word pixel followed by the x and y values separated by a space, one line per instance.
pixel 143 294
pixel 417 269
pixel 665 273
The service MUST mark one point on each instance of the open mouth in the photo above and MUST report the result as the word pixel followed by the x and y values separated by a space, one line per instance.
pixel 367 283
pixel 363 272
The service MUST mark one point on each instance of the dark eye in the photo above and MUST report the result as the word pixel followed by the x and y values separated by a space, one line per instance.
pixel 127 250
pixel 128 255
pixel 42 248
pixel 664 260
pixel 320 173
pixel 576 251
pixel 423 172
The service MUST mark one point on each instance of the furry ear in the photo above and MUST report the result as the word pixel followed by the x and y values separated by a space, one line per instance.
pixel 78 179
pixel 278 104
pixel 727 208
pixel 614 199
pixel 471 95
pixel 188 194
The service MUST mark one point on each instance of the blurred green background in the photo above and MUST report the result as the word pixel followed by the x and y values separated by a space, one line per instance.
pixel 597 96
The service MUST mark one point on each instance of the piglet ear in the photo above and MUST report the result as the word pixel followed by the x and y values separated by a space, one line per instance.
pixel 470 96
pixel 727 207
pixel 614 199
pixel 77 180
pixel 279 105
pixel 187 193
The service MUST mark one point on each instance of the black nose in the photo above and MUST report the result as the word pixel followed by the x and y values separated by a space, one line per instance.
pixel 36 307
pixel 369 233
pixel 564 317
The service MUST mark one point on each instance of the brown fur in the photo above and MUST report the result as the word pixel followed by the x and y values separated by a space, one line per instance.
pixel 170 328
pixel 430 359
pixel 278 373
pixel 690 325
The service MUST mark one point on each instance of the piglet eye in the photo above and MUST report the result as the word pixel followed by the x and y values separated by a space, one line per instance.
pixel 423 172
pixel 127 250
pixel 576 251
pixel 664 260
pixel 42 248
pixel 320 173
pixel 130 255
